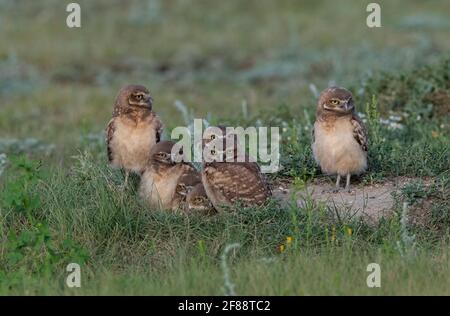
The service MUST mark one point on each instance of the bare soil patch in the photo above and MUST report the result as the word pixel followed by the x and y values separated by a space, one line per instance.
pixel 371 201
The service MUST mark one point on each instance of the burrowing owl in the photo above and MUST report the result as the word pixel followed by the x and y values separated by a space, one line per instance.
pixel 133 130
pixel 161 176
pixel 187 181
pixel 339 138
pixel 198 202
pixel 229 182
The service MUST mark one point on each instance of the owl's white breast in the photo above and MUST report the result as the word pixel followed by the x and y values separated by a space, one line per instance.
pixel 159 189
pixel 335 148
pixel 132 143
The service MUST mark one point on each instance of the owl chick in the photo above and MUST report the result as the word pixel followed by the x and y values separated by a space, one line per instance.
pixel 133 130
pixel 339 137
pixel 197 201
pixel 186 183
pixel 225 182
pixel 161 176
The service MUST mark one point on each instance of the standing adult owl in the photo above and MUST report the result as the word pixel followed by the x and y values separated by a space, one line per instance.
pixel 339 137
pixel 133 130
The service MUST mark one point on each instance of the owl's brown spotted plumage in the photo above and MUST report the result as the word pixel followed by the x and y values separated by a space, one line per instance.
pixel 133 130
pixel 197 201
pixel 161 177
pixel 187 181
pixel 339 136
pixel 227 183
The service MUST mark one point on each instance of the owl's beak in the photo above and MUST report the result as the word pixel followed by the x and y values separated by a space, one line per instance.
pixel 347 106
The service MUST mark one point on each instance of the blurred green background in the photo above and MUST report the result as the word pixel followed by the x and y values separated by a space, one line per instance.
pixel 57 83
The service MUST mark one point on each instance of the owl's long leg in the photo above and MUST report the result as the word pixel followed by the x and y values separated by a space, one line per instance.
pixel 338 183
pixel 347 185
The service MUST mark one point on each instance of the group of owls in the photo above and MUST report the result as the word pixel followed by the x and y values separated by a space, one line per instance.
pixel 133 138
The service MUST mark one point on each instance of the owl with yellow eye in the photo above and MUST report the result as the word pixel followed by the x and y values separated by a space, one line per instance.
pixel 339 137
pixel 226 180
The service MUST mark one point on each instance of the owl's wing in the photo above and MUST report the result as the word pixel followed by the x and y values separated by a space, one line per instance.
pixel 359 132
pixel 240 181
pixel 110 129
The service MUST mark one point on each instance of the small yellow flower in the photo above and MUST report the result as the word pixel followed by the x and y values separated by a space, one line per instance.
pixel 289 240
pixel 349 231
pixel 333 234
pixel 282 248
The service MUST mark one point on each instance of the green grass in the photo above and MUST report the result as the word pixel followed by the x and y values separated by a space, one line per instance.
pixel 60 203
pixel 332 272
pixel 87 219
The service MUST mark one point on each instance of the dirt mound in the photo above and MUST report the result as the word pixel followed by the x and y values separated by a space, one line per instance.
pixel 372 201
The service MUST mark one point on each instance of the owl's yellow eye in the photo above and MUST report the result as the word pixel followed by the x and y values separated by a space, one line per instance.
pixel 213 137
pixel 139 97
pixel 334 102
